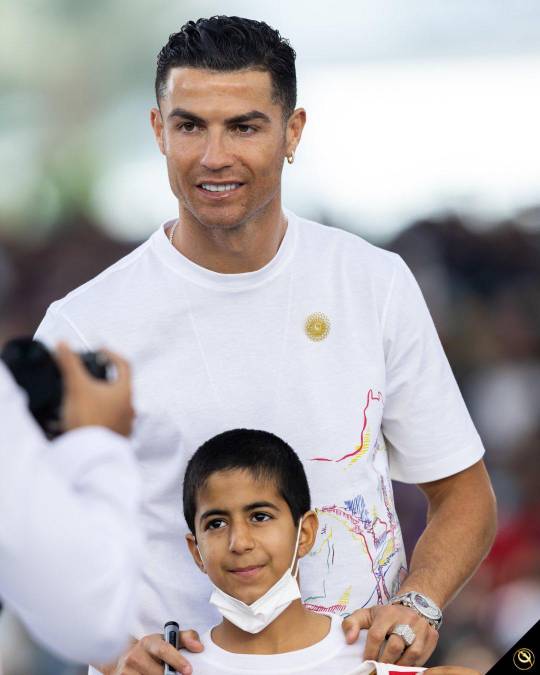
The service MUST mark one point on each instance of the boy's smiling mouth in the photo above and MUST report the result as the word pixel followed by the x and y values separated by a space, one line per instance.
pixel 246 572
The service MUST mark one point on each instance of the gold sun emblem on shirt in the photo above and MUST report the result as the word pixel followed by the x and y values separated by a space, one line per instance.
pixel 317 326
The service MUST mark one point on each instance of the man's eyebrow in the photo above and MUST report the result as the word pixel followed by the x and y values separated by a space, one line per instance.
pixel 248 117
pixel 236 119
pixel 185 114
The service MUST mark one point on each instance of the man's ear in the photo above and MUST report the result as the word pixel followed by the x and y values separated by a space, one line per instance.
pixel 156 121
pixel 293 133
pixel 308 533
pixel 192 545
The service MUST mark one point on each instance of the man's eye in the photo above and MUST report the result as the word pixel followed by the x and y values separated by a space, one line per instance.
pixel 245 129
pixel 188 127
pixel 215 524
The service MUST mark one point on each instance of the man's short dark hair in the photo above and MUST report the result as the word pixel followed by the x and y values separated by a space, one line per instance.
pixel 262 454
pixel 228 43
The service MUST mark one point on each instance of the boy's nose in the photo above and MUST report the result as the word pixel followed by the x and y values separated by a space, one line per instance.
pixel 240 539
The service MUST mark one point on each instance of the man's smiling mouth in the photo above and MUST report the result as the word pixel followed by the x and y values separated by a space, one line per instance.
pixel 219 187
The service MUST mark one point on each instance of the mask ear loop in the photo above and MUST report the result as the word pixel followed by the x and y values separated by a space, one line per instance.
pixel 294 559
pixel 200 555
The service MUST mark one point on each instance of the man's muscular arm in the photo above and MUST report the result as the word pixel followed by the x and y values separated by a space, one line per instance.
pixel 461 525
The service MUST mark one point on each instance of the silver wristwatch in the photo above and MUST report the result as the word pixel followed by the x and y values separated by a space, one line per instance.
pixel 422 605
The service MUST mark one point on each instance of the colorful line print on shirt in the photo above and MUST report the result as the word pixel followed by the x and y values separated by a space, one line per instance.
pixel 365 435
pixel 379 539
pixel 340 607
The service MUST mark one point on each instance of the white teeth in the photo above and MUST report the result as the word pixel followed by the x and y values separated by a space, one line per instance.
pixel 220 188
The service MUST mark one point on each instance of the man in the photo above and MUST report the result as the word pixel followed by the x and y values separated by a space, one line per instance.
pixel 70 540
pixel 240 314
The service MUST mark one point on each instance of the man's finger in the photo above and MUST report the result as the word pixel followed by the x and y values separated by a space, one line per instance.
pixel 189 639
pixel 69 363
pixel 412 656
pixel 123 369
pixel 354 623
pixel 375 638
pixel 421 649
pixel 393 649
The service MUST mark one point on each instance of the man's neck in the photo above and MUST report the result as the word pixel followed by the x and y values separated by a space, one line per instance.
pixel 244 248
pixel 295 628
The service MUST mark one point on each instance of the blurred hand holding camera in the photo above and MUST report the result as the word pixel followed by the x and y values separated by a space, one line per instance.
pixel 92 402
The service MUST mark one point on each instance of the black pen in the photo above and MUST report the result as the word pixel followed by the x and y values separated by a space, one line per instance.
pixel 170 635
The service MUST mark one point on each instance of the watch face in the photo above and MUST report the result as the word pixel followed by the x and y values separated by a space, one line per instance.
pixel 424 606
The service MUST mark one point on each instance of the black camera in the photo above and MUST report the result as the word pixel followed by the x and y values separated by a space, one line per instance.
pixel 35 370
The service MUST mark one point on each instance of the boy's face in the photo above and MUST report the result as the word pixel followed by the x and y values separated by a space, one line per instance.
pixel 246 534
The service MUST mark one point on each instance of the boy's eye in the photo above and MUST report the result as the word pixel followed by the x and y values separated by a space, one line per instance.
pixel 215 524
pixel 260 517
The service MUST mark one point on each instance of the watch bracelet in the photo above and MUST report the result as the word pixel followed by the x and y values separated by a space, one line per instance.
pixel 407 602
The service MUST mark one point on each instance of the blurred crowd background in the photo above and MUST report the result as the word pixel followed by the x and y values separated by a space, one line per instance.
pixel 422 137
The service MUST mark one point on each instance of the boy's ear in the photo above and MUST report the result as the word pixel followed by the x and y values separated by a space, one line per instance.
pixel 192 545
pixel 308 533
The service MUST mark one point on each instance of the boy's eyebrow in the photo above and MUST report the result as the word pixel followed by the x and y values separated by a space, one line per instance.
pixel 237 119
pixel 213 512
pixel 260 505
pixel 247 507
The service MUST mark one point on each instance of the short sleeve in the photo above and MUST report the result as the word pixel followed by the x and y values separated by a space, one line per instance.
pixel 428 431
pixel 56 327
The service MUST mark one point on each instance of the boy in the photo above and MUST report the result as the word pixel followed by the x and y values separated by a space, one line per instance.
pixel 247 503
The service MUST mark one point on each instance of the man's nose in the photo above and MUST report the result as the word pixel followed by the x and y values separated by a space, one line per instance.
pixel 216 154
pixel 240 539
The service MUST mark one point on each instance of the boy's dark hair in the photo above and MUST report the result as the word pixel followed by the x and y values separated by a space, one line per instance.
pixel 261 453
pixel 228 43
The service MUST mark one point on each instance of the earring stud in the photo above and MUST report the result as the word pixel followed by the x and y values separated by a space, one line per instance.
pixel 290 158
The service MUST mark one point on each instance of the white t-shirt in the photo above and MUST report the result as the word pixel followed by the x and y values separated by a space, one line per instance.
pixel 372 399
pixel 70 537
pixel 332 655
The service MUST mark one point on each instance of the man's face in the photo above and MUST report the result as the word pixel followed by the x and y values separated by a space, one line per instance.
pixel 225 141
pixel 245 534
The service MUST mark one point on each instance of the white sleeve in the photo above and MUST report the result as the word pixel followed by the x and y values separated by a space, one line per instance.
pixel 70 546
pixel 427 427
pixel 56 327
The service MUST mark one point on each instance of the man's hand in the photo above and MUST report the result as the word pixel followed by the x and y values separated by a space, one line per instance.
pixel 380 620
pixel 147 656
pixel 92 402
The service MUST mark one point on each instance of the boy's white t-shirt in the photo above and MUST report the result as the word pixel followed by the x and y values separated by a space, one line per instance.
pixel 332 655
pixel 330 346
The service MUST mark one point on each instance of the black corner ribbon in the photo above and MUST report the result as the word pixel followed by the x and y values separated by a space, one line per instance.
pixel 523 658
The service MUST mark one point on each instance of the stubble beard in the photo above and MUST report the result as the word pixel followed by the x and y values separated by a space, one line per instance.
pixel 187 210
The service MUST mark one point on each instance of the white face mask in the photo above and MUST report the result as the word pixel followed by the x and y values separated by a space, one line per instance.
pixel 255 617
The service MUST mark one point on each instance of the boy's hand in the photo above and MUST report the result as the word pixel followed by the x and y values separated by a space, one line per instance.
pixel 147 656
pixel 380 620
pixel 92 402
